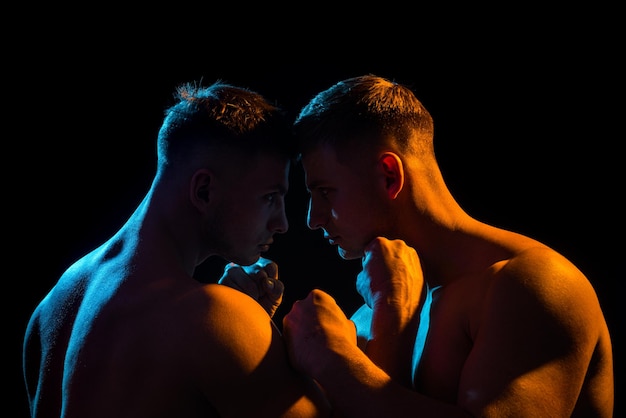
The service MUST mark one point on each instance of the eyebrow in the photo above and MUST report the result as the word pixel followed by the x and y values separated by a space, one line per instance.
pixel 280 188
pixel 314 185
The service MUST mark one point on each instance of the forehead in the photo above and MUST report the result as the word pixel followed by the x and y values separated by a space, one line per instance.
pixel 318 157
pixel 321 165
pixel 259 169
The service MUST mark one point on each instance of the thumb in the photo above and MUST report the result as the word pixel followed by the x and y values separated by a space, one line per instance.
pixel 273 286
pixel 272 270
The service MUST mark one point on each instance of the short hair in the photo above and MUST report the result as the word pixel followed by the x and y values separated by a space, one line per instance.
pixel 368 109
pixel 222 116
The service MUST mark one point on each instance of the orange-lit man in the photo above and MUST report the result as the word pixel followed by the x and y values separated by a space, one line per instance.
pixel 461 318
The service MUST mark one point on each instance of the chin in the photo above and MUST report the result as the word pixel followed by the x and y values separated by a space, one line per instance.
pixel 245 260
pixel 349 254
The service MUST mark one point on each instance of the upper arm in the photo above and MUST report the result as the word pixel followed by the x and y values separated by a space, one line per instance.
pixel 537 334
pixel 247 371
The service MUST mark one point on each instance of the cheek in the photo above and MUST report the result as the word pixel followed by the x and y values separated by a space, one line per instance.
pixel 251 219
pixel 347 213
pixel 360 216
pixel 350 207
pixel 240 218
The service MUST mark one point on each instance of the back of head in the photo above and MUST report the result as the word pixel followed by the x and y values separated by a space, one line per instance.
pixel 363 111
pixel 220 117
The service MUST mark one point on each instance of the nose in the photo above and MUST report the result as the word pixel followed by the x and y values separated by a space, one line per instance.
pixel 314 216
pixel 280 224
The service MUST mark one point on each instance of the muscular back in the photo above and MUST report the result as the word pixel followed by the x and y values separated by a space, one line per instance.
pixel 93 344
pixel 110 340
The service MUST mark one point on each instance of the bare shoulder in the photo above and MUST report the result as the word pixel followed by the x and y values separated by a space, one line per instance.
pixel 541 340
pixel 229 323
pixel 543 275
pixel 539 297
pixel 226 314
pixel 239 358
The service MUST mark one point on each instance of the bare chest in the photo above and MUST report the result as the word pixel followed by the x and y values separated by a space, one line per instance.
pixel 454 319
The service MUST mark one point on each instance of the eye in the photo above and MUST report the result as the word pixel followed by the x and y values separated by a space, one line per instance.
pixel 322 192
pixel 319 192
pixel 273 197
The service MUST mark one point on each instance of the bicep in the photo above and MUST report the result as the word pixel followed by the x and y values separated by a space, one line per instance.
pixel 250 373
pixel 526 352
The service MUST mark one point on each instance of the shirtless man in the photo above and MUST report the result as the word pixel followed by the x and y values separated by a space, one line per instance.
pixel 128 332
pixel 515 328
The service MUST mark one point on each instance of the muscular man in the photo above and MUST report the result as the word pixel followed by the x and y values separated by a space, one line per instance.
pixel 461 318
pixel 128 332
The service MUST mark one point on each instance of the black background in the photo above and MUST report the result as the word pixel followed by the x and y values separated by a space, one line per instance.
pixel 525 106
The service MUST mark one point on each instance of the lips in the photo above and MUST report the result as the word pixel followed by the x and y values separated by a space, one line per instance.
pixel 331 239
pixel 267 243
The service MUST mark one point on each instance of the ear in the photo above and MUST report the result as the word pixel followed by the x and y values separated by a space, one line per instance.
pixel 392 169
pixel 199 189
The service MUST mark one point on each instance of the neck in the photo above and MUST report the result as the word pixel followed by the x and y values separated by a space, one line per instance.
pixel 163 227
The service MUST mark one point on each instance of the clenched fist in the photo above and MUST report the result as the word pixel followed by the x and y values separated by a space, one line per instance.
pixel 316 330
pixel 392 285
pixel 391 279
pixel 259 281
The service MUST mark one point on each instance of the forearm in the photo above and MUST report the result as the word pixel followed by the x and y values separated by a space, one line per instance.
pixel 392 337
pixel 393 354
pixel 387 343
pixel 356 387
